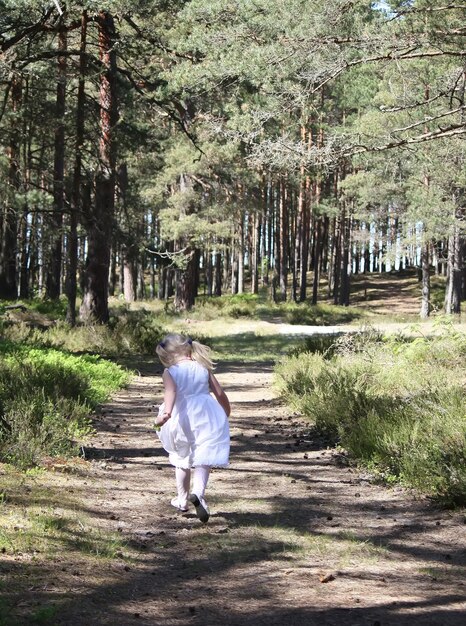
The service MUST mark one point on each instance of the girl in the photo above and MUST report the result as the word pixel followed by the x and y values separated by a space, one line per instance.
pixel 194 427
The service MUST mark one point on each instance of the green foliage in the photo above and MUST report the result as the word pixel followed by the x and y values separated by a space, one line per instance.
pixel 46 397
pixel 260 307
pixel 128 332
pixel 397 405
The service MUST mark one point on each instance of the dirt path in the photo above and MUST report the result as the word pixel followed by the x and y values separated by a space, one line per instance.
pixel 295 537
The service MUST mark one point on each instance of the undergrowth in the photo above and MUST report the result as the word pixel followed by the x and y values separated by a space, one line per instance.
pixel 259 307
pixel 46 397
pixel 396 405
pixel 128 332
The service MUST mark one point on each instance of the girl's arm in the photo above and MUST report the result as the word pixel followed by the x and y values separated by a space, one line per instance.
pixel 169 397
pixel 218 392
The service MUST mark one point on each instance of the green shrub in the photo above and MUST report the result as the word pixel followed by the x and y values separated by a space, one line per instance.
pixel 318 314
pixel 128 332
pixel 395 405
pixel 46 397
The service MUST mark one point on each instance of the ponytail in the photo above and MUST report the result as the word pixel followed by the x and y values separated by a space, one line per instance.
pixel 201 354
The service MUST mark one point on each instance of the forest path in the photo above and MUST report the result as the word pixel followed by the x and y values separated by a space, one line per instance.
pixel 286 516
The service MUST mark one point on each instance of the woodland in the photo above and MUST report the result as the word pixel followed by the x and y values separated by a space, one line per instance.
pixel 165 149
pixel 284 181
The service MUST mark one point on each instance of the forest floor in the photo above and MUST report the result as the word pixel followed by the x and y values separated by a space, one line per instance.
pixel 296 535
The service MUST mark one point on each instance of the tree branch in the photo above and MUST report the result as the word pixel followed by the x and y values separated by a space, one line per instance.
pixel 30 30
pixel 431 118
pixel 386 57
pixel 450 131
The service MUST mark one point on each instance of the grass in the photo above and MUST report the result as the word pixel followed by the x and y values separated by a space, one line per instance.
pixel 397 405
pixel 45 520
pixel 45 530
pixel 251 347
pixel 283 544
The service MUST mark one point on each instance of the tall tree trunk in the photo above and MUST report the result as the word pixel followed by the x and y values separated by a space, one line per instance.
pixel 305 222
pixel 344 291
pixel 186 283
pixel 162 283
pixel 337 259
pixel 113 272
pixel 54 269
pixel 276 230
pixel 425 303
pixel 267 235
pixel 197 272
pixel 463 269
pixel 454 273
pixel 318 243
pixel 141 279
pixel 129 279
pixel 72 266
pixel 218 274
pixel 25 242
pixel 255 249
pixel 129 248
pixel 209 273
pixel 240 265
pixel 8 280
pixel 283 239
pixel 95 298
pixel 226 266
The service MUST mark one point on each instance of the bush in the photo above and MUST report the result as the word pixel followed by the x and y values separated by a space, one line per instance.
pixel 46 397
pixel 395 405
pixel 128 332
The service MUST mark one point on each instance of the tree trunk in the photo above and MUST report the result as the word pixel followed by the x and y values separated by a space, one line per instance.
pixel 218 274
pixel 305 235
pixel 344 291
pixel 317 258
pixel 129 249
pixel 283 240
pixel 208 273
pixel 185 284
pixel 54 269
pixel 25 229
pixel 196 270
pixel 72 269
pixel 95 298
pixel 336 269
pixel 226 267
pixel 454 274
pixel 129 279
pixel 240 265
pixel 255 249
pixel 8 244
pixel 425 304
pixel 141 280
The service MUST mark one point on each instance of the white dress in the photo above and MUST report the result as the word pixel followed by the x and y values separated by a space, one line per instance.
pixel 197 432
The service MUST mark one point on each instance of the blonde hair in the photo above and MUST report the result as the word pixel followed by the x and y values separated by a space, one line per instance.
pixel 174 347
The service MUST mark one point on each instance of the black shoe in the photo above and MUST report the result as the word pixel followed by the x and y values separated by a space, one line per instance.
pixel 201 511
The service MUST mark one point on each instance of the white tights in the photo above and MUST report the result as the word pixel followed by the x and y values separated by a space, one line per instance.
pixel 183 482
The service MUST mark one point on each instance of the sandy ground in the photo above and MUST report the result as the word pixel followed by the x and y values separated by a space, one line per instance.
pixel 296 536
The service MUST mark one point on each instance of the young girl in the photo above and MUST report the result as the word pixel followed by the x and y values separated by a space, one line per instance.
pixel 194 427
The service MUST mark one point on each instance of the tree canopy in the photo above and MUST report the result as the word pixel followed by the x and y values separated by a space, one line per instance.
pixel 152 147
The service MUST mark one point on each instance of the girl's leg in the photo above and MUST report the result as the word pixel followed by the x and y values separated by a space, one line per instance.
pixel 183 481
pixel 200 479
